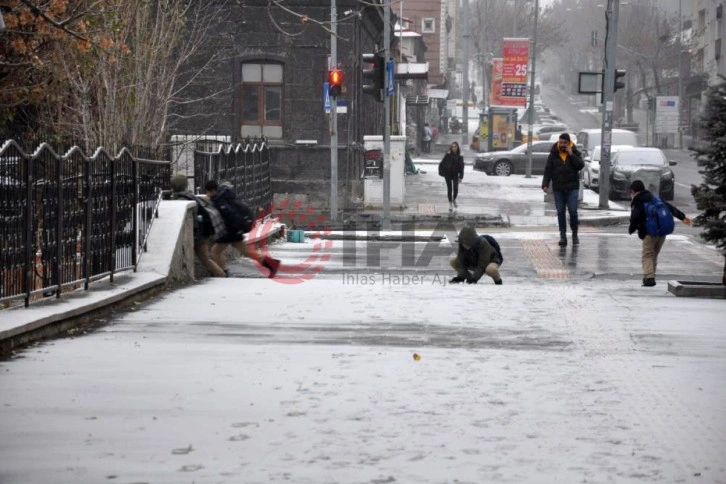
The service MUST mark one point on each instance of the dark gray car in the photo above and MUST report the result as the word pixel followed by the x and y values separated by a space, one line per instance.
pixel 514 162
pixel 649 165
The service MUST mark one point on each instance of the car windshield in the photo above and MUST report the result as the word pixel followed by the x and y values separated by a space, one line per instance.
pixel 520 149
pixel 632 158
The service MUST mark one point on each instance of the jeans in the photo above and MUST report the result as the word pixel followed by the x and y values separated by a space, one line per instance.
pixel 567 198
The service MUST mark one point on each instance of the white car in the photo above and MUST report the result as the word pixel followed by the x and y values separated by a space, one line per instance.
pixel 556 136
pixel 591 172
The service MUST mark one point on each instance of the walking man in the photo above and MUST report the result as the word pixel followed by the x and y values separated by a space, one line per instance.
pixel 477 255
pixel 237 224
pixel 208 224
pixel 563 170
pixel 652 233
pixel 427 137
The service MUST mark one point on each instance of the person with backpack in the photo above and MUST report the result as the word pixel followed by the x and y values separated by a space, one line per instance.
pixel 477 255
pixel 238 220
pixel 208 223
pixel 451 168
pixel 653 219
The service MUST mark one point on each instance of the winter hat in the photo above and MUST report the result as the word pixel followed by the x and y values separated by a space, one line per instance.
pixel 565 136
pixel 179 183
pixel 468 236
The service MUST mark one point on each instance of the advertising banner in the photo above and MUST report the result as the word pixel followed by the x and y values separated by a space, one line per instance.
pixel 515 53
pixel 496 98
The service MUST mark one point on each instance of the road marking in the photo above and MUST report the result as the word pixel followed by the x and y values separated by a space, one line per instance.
pixel 683 185
pixel 426 209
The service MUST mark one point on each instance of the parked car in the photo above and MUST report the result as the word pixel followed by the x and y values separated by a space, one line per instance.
pixel 649 165
pixel 550 128
pixel 591 172
pixel 590 138
pixel 505 163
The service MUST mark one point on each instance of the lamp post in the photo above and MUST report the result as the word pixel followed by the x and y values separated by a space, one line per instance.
pixel 531 92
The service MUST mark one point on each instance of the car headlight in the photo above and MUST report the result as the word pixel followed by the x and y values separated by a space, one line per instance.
pixel 619 176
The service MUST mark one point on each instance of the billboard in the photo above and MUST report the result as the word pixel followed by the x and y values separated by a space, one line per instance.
pixel 496 99
pixel 515 54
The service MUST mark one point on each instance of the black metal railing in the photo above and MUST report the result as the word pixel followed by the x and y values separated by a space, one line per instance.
pixel 245 166
pixel 68 220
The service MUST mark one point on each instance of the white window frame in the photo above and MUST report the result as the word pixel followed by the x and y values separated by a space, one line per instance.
pixel 431 30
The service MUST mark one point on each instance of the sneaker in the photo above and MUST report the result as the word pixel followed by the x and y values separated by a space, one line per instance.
pixel 649 282
pixel 272 265
pixel 451 206
pixel 455 205
pixel 575 239
pixel 563 242
pixel 498 283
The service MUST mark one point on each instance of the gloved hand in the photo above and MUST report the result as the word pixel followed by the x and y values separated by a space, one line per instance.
pixel 456 280
pixel 471 280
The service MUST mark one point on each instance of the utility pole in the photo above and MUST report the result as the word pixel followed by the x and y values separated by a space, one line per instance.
pixel 680 73
pixel 333 116
pixel 465 74
pixel 512 115
pixel 530 111
pixel 386 222
pixel 608 88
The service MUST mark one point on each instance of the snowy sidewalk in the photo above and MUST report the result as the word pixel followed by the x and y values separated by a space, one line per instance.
pixel 254 381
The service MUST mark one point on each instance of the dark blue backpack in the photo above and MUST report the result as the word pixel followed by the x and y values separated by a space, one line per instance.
pixel 658 218
pixel 495 245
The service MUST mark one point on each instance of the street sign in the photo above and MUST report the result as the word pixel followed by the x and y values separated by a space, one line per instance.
pixel 342 106
pixel 391 69
pixel 327 105
pixel 666 114
pixel 589 83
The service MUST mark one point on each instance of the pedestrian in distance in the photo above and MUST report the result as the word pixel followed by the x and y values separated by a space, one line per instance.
pixel 451 168
pixel 653 220
pixel 427 137
pixel 477 255
pixel 518 134
pixel 208 223
pixel 238 220
pixel 563 170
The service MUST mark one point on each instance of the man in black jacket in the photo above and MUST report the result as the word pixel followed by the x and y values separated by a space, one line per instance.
pixel 651 244
pixel 563 169
pixel 475 257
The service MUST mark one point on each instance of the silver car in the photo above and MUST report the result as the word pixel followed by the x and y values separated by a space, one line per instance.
pixel 505 163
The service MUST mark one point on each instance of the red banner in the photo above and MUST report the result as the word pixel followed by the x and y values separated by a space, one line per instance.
pixel 514 70
pixel 496 98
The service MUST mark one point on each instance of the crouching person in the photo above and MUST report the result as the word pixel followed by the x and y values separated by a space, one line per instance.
pixel 208 224
pixel 477 255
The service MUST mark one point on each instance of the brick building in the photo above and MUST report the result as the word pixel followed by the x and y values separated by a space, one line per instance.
pixel 260 72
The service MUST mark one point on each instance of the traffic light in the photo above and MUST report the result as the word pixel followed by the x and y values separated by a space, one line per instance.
pixel 619 84
pixel 373 66
pixel 335 82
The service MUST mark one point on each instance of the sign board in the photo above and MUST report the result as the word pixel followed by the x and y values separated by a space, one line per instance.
pixel 391 69
pixel 342 106
pixel 666 114
pixel 495 98
pixel 327 105
pixel 589 83
pixel 515 53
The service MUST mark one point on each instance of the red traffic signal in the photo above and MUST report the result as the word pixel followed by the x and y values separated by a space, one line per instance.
pixel 335 81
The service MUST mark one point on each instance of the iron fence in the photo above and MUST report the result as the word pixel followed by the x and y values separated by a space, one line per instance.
pixel 245 166
pixel 68 220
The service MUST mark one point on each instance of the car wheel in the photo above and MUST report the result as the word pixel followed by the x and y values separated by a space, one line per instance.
pixel 503 168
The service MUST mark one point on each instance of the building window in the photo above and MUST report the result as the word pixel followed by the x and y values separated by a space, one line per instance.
pixel 261 100
pixel 428 26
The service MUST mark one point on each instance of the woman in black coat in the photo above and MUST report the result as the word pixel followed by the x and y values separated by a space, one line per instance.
pixel 452 169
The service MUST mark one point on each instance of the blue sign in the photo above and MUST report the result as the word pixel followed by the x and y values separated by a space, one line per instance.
pixel 390 68
pixel 327 105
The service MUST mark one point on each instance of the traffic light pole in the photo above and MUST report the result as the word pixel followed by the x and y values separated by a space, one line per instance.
pixel 333 116
pixel 386 222
pixel 611 21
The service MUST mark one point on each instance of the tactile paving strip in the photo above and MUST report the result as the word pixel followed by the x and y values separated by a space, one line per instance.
pixel 545 263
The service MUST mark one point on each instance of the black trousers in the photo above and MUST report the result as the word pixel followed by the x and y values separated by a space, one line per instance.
pixel 452 187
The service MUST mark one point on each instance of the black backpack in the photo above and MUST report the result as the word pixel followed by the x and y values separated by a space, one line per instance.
pixel 248 218
pixel 495 245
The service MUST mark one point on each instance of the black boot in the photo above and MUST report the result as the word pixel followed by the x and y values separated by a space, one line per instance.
pixel 649 282
pixel 575 239
pixel 498 283
pixel 563 241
